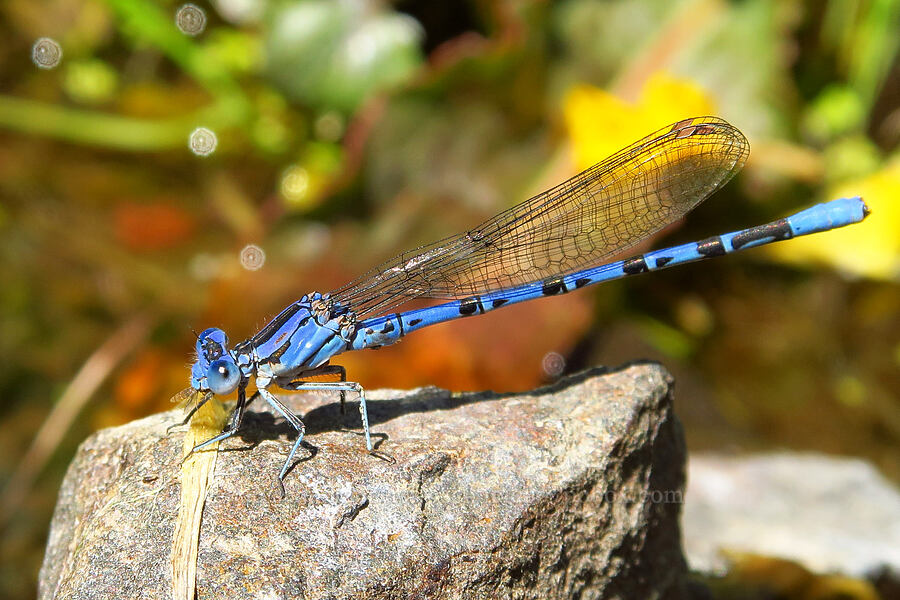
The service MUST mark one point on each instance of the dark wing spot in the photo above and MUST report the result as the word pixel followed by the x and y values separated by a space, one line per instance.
pixel 414 322
pixel 498 302
pixel 582 281
pixel 680 124
pixel 704 130
pixel 388 327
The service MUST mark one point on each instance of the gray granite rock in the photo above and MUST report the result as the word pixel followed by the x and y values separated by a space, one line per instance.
pixel 572 490
pixel 831 515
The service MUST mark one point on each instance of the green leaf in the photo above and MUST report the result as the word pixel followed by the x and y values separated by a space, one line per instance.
pixel 334 55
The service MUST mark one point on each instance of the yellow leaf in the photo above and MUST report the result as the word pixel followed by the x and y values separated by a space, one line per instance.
pixel 870 248
pixel 600 124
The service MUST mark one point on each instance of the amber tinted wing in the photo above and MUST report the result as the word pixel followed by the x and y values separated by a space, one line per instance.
pixel 602 211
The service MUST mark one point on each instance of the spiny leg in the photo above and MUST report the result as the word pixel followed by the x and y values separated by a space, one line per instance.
pixel 342 386
pixel 328 370
pixel 343 374
pixel 237 416
pixel 295 422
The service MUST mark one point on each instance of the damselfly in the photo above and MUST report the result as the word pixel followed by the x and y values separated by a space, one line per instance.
pixel 545 246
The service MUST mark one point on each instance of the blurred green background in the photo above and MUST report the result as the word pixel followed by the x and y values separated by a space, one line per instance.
pixel 347 131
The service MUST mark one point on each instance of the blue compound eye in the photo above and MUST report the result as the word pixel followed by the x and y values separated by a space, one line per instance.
pixel 223 376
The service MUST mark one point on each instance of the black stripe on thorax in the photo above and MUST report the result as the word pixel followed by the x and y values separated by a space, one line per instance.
pixel 326 341
pixel 277 323
pixel 275 356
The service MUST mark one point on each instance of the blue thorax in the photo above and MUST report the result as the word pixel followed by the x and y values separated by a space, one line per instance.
pixel 303 336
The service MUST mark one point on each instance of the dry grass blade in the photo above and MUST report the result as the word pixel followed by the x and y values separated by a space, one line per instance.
pixel 196 475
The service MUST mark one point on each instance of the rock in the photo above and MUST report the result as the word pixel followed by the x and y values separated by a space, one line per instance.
pixel 572 490
pixel 831 515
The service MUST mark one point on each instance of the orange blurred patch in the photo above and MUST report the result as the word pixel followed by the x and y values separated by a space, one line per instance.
pixel 327 377
pixel 152 226
pixel 139 383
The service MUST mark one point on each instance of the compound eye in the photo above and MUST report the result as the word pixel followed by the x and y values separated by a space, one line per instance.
pixel 223 376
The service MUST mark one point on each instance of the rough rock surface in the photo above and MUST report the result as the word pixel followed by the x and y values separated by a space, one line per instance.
pixel 573 490
pixel 831 515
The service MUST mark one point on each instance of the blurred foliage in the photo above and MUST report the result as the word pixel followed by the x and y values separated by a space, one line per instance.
pixel 336 54
pixel 349 131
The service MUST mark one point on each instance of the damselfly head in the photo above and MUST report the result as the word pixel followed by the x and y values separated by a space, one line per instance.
pixel 215 369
